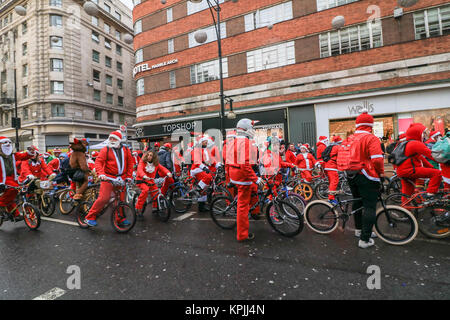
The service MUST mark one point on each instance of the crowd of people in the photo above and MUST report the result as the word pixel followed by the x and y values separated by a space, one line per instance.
pixel 359 155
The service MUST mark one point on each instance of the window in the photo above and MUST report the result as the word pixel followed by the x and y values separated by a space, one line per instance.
pixel 95 21
pixel 57 87
pixel 3 80
pixel 208 71
pixel 119 67
pixel 118 35
pixel 140 89
pixel 96 75
pixel 108 62
pixel 25 70
pixel 172 80
pixel 120 83
pixel 107 8
pixel 138 27
pixel 95 37
pixel 211 35
pixel 97 95
pixel 56 3
pixel 108 80
pixel 58 110
pixel 139 56
pixel 107 28
pixel 118 50
pixel 120 101
pixel 110 116
pixel 24 92
pixel 56 42
pixel 109 98
pixel 95 56
pixel 432 22
pixel 108 44
pixel 171 48
pixel 117 15
pixel 351 39
pixel 57 65
pixel 196 7
pixel 24 49
pixel 55 20
pixel 24 27
pixel 169 15
pixel 98 114
pixel 327 4
pixel 272 15
pixel 25 112
pixel 271 57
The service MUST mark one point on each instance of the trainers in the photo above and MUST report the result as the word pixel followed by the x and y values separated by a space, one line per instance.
pixel 251 236
pixel 358 234
pixel 91 223
pixel 364 244
pixel 333 202
pixel 125 223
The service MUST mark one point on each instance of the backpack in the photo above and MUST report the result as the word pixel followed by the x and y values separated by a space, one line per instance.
pixel 391 147
pixel 343 154
pixel 441 150
pixel 397 156
pixel 327 152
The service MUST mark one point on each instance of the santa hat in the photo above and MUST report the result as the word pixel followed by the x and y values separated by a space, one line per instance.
pixel 364 119
pixel 157 144
pixel 5 139
pixel 402 137
pixel 337 139
pixel 116 134
pixel 304 147
pixel 323 139
pixel 434 134
pixel 94 154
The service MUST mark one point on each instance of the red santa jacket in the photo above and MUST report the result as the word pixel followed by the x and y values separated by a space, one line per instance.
pixel 39 169
pixel 201 158
pixel 241 156
pixel 149 170
pixel 11 180
pixel 331 165
pixel 320 148
pixel 54 165
pixel 108 164
pixel 290 157
pixel 273 162
pixel 416 150
pixel 305 161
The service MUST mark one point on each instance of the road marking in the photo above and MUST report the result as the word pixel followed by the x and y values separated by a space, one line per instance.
pixel 52 294
pixel 60 221
pixel 184 216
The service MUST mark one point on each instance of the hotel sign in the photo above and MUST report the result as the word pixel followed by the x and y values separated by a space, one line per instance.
pixel 145 67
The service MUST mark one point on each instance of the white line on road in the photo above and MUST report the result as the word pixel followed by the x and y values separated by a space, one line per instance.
pixel 60 221
pixel 52 294
pixel 184 216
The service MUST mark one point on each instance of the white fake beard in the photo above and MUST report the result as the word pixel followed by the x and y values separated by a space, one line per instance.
pixel 115 144
pixel 7 149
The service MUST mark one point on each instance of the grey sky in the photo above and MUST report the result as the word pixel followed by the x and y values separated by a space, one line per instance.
pixel 129 3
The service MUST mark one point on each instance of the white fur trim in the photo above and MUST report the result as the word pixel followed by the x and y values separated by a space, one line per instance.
pixel 364 124
pixel 114 136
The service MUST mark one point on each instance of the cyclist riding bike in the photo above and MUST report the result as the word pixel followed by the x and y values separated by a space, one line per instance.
pixel 114 163
pixel 306 162
pixel 35 168
pixel 8 174
pixel 78 170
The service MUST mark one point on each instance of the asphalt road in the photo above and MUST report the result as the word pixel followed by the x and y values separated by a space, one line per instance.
pixel 193 259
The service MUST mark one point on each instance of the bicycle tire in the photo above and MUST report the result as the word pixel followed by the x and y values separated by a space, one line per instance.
pixel 117 214
pixel 82 209
pixel 66 200
pixel 48 209
pixel 222 213
pixel 296 199
pixel 305 190
pixel 180 206
pixel 409 223
pixel 163 212
pixel 428 219
pixel 345 187
pixel 321 191
pixel 330 214
pixel 31 216
pixel 286 214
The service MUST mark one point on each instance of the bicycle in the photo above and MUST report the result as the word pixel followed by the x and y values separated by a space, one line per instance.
pixel 162 208
pixel 281 214
pixel 286 192
pixel 31 215
pixel 321 190
pixel 121 211
pixel 323 217
pixel 433 214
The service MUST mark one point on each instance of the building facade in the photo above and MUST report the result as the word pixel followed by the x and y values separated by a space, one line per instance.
pixel 285 64
pixel 73 71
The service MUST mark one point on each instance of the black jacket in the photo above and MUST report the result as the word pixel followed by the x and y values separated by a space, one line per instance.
pixel 165 158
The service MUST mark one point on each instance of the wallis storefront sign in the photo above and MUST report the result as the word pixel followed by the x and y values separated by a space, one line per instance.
pixel 145 67
pixel 366 106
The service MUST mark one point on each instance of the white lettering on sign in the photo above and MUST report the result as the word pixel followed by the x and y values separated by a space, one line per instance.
pixel 358 109
pixel 145 67
pixel 179 126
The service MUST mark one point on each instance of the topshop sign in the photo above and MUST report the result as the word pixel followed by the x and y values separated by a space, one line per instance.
pixel 146 67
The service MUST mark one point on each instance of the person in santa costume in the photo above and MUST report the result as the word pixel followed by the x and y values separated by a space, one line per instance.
pixel 416 166
pixel 8 174
pixel 321 146
pixel 148 167
pixel 227 157
pixel 55 164
pixel 114 163
pixel 35 168
pixel 243 157
pixel 305 162
pixel 332 171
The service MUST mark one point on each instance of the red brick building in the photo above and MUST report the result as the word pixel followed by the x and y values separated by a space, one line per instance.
pixel 285 65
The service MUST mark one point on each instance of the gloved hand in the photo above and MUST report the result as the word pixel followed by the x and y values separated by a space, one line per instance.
pixel 206 170
pixel 31 177
pixel 52 176
pixel 2 188
pixel 260 182
pixel 169 175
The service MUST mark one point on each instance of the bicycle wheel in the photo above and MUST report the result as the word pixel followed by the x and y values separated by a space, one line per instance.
pixel 400 228
pixel 321 217
pixel 223 212
pixel 82 209
pixel 395 185
pixel 433 221
pixel 321 191
pixel 66 204
pixel 305 190
pixel 284 218
pixel 163 212
pixel 123 217
pixel 31 216
pixel 297 200
pixel 47 205
pixel 179 199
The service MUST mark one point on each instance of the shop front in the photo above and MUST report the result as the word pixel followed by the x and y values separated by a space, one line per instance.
pixel 392 113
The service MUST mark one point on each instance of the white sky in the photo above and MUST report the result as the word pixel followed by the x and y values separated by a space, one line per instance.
pixel 129 3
